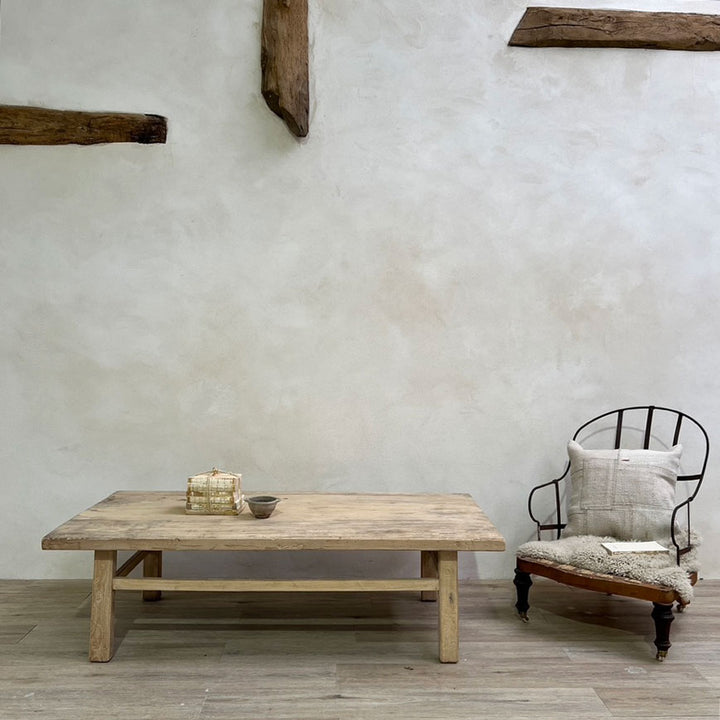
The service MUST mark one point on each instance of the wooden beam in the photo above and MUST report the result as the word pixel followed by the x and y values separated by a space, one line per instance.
pixel 401 585
pixel 284 62
pixel 575 27
pixel 131 563
pixel 20 125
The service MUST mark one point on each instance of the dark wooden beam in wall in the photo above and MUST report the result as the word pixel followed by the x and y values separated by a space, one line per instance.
pixel 20 125
pixel 575 27
pixel 284 62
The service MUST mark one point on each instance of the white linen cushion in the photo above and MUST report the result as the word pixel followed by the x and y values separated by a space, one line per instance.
pixel 626 494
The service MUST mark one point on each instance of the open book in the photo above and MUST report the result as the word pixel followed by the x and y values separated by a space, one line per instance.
pixel 635 547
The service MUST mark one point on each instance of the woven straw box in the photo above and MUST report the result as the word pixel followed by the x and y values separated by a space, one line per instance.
pixel 214 493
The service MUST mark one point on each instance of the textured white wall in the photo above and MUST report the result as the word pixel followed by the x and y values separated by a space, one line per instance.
pixel 477 248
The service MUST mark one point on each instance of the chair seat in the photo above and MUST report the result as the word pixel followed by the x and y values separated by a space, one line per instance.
pixel 600 582
pixel 624 468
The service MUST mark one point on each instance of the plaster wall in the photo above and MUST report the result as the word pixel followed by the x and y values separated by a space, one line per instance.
pixel 477 248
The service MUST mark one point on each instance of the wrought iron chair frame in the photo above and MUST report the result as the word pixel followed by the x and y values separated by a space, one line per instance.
pixel 662 597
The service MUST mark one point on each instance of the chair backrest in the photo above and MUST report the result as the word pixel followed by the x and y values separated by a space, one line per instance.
pixel 646 427
pixel 651 427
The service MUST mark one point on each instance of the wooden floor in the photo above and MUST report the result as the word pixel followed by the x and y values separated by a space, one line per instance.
pixel 319 657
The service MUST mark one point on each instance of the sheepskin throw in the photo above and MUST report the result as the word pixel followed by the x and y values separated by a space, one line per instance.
pixel 586 552
pixel 629 494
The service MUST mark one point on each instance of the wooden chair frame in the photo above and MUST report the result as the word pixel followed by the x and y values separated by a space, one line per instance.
pixel 662 597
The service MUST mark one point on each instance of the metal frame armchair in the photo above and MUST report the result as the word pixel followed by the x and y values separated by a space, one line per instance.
pixel 659 427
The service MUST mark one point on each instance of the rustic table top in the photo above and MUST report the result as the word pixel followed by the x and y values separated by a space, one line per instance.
pixel 156 520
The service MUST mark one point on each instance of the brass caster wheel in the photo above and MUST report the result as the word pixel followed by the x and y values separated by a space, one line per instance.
pixel 681 607
pixel 662 654
pixel 524 617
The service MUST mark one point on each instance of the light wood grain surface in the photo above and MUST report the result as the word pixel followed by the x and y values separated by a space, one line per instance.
pixel 302 521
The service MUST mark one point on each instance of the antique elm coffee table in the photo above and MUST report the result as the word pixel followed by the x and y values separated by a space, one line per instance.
pixel 438 526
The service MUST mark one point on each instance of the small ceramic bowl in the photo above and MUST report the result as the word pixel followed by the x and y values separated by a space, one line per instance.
pixel 262 506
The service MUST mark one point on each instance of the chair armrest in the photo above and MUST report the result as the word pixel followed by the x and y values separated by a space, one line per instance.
pixel 680 550
pixel 558 524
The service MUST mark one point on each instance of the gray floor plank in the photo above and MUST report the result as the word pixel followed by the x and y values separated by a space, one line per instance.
pixel 213 656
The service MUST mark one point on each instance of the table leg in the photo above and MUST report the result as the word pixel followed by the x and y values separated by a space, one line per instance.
pixel 448 617
pixel 102 608
pixel 152 567
pixel 428 569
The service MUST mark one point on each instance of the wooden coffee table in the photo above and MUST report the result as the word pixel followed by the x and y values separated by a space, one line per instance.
pixel 438 526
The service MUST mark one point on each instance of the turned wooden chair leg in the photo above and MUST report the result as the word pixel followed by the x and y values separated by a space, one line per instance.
pixel 522 583
pixel 663 617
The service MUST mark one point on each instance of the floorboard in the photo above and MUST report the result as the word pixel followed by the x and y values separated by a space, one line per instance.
pixel 195 656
